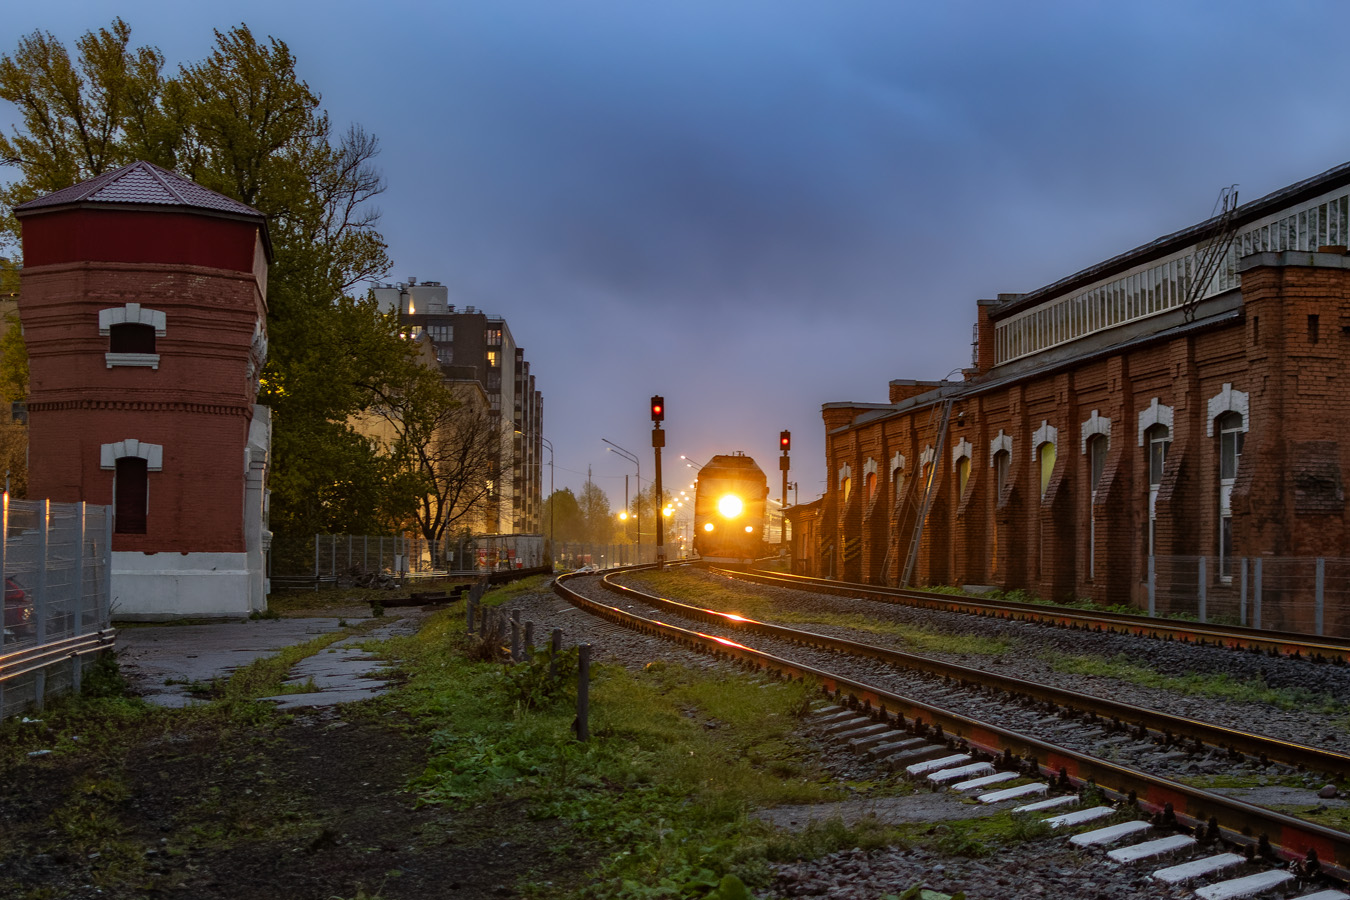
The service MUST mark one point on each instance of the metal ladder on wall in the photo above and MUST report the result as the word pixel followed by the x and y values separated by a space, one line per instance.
pixel 943 413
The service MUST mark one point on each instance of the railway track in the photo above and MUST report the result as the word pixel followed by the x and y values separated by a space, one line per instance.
pixel 934 743
pixel 1276 643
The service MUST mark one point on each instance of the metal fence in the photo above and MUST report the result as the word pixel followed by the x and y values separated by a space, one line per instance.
pixel 575 554
pixel 56 568
pixel 344 556
pixel 1310 595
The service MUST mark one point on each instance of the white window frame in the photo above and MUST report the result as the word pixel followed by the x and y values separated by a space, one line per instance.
pixel 132 314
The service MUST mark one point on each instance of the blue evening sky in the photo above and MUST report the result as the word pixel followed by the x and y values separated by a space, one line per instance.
pixel 757 207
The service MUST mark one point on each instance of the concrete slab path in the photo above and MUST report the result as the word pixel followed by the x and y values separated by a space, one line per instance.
pixel 162 661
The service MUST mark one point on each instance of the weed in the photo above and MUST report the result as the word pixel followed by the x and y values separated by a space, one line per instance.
pixel 1221 686
pixel 268 613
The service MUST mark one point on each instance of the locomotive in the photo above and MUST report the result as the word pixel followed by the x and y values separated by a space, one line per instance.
pixel 729 510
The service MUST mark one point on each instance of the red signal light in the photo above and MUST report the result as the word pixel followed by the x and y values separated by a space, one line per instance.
pixel 785 440
pixel 658 408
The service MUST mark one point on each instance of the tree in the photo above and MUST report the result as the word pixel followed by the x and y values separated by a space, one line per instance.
pixel 444 450
pixel 243 123
pixel 597 525
pixel 562 516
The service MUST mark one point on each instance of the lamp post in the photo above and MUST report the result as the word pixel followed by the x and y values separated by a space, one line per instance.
pixel 551 536
pixel 632 458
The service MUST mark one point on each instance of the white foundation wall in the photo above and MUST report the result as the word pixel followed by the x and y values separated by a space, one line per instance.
pixel 152 587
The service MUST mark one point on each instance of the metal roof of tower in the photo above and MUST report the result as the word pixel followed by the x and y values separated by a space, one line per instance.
pixel 142 184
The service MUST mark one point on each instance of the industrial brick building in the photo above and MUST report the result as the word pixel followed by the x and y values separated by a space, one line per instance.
pixel 1188 398
pixel 144 309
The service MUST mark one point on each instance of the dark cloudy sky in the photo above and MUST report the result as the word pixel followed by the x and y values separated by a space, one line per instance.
pixel 755 207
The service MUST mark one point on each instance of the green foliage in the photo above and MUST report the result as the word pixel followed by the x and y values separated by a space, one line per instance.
pixel 664 785
pixel 562 516
pixel 735 597
pixel 1220 686
pixel 243 122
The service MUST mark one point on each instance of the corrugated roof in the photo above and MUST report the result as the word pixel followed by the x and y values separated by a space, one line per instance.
pixel 142 184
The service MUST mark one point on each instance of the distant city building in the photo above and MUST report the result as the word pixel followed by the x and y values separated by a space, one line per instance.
pixel 144 309
pixel 1185 401
pixel 471 345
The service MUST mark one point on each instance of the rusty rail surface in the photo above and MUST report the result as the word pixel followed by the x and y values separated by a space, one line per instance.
pixel 1241 824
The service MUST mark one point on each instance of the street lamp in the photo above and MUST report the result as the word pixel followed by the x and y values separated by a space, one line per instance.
pixel 551 501
pixel 631 457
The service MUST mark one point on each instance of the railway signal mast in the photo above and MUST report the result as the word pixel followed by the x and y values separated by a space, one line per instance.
pixel 659 441
pixel 785 444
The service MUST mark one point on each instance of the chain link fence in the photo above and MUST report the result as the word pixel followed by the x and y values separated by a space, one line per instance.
pixel 363 559
pixel 1309 595
pixel 56 568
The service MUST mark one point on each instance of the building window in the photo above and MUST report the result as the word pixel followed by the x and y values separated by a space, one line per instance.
pixel 1232 433
pixel 1002 468
pixel 846 487
pixel 871 486
pixel 493 359
pixel 1047 454
pixel 1097 446
pixel 962 475
pixel 441 334
pixel 131 337
pixel 131 331
pixel 445 355
pixel 131 495
pixel 1158 439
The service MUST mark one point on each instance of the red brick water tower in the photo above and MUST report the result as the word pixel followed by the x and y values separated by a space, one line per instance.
pixel 144 309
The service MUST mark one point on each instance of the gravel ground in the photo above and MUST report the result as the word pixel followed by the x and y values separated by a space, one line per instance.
pixel 1046 868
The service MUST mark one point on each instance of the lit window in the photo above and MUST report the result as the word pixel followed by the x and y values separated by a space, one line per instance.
pixel 1047 453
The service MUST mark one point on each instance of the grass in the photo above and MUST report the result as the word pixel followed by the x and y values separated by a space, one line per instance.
pixel 1218 686
pixel 676 762
pixel 733 598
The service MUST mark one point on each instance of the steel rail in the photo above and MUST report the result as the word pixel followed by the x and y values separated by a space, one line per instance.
pixel 39 656
pixel 1234 637
pixel 1253 828
pixel 1166 726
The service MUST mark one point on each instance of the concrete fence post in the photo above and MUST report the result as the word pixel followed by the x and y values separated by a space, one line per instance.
pixel 1319 593
pixel 529 640
pixel 1242 592
pixel 1256 594
pixel 78 577
pixel 584 693
pixel 1202 598
pixel 1152 586
pixel 554 648
pixel 515 636
pixel 469 610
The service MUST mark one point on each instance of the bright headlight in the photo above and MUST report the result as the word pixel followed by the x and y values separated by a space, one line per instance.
pixel 707 526
pixel 730 506
pixel 749 529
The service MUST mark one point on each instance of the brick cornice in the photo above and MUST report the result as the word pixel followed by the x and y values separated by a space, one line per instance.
pixel 205 409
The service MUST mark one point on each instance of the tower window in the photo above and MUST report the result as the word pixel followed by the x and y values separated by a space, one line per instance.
pixel 131 337
pixel 130 495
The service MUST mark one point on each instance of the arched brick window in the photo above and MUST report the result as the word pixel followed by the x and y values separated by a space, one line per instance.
pixel 131 462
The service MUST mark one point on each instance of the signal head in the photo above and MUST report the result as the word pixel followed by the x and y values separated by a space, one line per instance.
pixel 658 408
pixel 785 441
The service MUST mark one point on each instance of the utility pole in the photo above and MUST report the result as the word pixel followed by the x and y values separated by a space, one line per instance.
pixel 659 441
pixel 784 442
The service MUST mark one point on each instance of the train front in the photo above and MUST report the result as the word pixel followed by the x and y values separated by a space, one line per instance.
pixel 729 510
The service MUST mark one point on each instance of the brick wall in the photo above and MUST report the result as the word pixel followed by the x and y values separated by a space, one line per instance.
pixel 1289 495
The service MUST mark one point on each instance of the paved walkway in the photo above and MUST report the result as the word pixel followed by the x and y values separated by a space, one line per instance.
pixel 162 661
